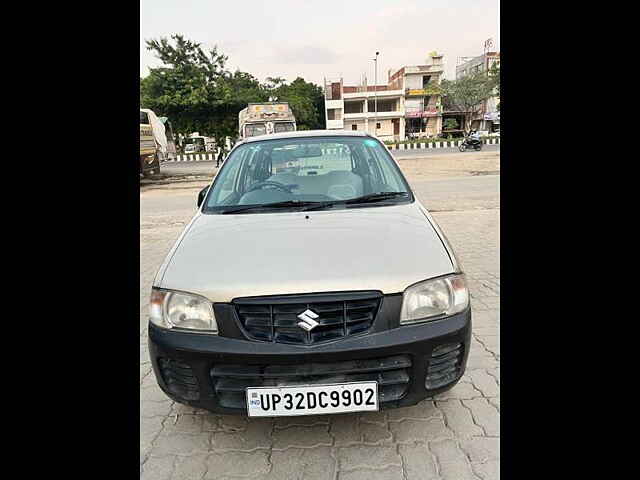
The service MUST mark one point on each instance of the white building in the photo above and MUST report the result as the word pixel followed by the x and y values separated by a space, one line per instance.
pixel 408 104
pixel 488 117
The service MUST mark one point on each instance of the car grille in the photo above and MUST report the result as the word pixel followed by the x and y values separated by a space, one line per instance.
pixel 179 379
pixel 445 365
pixel 391 373
pixel 275 319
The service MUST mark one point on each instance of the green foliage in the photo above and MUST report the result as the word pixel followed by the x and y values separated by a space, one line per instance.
pixel 466 94
pixel 450 124
pixel 494 73
pixel 190 88
pixel 197 93
pixel 305 99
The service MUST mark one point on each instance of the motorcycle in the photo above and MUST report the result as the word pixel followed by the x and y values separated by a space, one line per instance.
pixel 469 142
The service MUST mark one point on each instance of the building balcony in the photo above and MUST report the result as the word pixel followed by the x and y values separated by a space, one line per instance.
pixel 424 69
pixel 334 104
pixel 380 94
pixel 335 124
pixel 372 115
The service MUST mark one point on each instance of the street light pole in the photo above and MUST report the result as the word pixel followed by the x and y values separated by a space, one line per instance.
pixel 375 94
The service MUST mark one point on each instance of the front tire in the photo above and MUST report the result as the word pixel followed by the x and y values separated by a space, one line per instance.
pixel 462 147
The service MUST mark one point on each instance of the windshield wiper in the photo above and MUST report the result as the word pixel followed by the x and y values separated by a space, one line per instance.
pixel 285 204
pixel 370 198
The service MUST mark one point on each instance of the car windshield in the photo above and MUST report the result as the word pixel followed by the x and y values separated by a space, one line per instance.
pixel 283 127
pixel 311 173
pixel 252 130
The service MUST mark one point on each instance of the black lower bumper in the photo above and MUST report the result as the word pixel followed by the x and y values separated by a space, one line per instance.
pixel 410 363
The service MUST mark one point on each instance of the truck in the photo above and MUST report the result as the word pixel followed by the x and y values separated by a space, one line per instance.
pixel 195 143
pixel 153 143
pixel 263 118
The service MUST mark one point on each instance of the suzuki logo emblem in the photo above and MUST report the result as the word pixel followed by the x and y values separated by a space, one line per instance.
pixel 308 320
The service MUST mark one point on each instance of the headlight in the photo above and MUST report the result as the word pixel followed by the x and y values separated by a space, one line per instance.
pixel 182 310
pixel 434 298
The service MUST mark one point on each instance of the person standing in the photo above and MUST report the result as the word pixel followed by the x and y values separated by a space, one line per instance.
pixel 220 156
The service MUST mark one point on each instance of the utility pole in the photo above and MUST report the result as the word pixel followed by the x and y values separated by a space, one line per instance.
pixel 375 94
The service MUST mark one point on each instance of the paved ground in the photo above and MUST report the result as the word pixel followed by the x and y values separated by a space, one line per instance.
pixel 453 436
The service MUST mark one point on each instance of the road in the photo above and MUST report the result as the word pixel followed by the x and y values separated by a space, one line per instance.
pixel 438 151
pixel 455 435
pixel 203 168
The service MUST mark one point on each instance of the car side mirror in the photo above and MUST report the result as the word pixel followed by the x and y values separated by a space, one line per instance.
pixel 202 194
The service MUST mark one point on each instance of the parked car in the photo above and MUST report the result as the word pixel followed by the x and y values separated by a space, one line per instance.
pixel 329 290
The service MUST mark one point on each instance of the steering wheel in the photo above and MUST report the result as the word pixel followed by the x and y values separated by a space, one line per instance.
pixel 271 183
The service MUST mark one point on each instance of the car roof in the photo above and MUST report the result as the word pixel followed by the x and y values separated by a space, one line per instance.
pixel 306 134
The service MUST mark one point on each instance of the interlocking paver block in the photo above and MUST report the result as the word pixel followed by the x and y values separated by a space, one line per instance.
pixel 481 449
pixel 411 430
pixel 192 467
pixel 485 415
pixel 256 435
pixel 457 471
pixel 304 464
pixel 489 470
pixel 375 433
pixel 418 462
pixel 237 464
pixel 367 457
pixel 158 468
pixel 313 436
pixel 184 424
pixel 345 431
pixel 392 472
pixel 458 418
pixel 484 382
pixel 181 444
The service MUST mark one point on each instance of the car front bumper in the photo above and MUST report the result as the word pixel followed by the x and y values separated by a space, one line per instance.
pixel 409 362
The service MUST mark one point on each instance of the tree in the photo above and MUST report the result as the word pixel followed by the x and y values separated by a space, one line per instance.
pixel 494 73
pixel 450 124
pixel 197 93
pixel 305 99
pixel 466 94
pixel 184 88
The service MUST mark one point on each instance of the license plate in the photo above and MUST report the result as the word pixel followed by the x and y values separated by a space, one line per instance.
pixel 312 400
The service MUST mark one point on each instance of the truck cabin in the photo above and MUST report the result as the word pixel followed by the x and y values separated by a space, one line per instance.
pixel 262 128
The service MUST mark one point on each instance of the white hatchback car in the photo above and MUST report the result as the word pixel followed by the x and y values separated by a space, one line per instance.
pixel 310 280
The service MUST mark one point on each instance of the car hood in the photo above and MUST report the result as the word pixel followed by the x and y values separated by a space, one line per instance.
pixel 223 257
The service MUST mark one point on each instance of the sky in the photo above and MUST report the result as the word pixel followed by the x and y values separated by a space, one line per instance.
pixel 329 38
